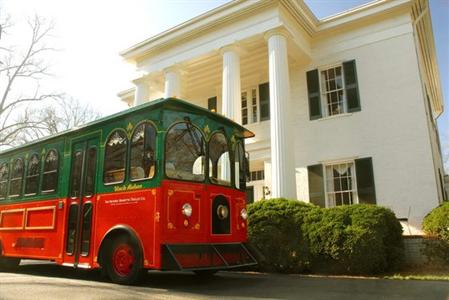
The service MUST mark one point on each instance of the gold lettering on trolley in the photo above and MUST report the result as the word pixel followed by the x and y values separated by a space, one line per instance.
pixel 129 187
pixel 170 226
pixel 197 226
pixel 157 217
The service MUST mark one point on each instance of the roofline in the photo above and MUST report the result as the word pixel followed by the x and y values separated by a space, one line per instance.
pixel 299 10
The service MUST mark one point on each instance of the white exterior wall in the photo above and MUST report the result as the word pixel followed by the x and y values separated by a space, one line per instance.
pixel 391 126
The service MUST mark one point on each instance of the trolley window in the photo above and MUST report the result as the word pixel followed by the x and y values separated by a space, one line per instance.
pixel 4 176
pixel 220 164
pixel 185 153
pixel 15 187
pixel 32 178
pixel 50 174
pixel 143 145
pixel 115 158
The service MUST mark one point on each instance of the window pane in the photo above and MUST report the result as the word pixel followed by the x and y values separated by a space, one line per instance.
pixel 219 156
pixel 264 99
pixel 240 176
pixel 71 229
pixel 339 184
pixel 15 187
pixel 254 105
pixel 115 157
pixel 244 108
pixel 185 153
pixel 75 176
pixel 50 176
pixel 87 229
pixel 32 180
pixel 91 171
pixel 4 176
pixel 143 147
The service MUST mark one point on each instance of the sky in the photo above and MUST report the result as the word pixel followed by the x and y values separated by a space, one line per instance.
pixel 90 34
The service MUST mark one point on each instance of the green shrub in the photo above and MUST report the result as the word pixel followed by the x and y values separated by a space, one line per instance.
pixel 356 239
pixel 274 229
pixel 436 224
pixel 293 236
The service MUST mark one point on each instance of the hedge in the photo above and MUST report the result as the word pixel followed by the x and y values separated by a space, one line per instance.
pixel 297 237
pixel 436 224
pixel 274 228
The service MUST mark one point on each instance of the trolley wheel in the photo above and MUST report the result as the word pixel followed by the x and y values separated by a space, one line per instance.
pixel 123 260
pixel 205 273
pixel 9 263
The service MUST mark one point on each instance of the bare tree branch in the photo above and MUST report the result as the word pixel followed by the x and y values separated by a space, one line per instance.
pixel 18 67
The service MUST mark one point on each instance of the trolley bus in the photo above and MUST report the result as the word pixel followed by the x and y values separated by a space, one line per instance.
pixel 159 186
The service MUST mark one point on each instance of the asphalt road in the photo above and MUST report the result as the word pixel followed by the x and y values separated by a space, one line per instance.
pixel 45 281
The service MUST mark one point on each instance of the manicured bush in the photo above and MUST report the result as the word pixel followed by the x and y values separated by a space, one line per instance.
pixel 356 239
pixel 297 237
pixel 274 229
pixel 436 224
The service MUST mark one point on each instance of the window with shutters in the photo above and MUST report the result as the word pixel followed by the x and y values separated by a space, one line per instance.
pixel 333 90
pixel 341 187
pixel 255 104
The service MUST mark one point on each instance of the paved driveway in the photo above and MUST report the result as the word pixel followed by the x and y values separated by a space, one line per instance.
pixel 44 281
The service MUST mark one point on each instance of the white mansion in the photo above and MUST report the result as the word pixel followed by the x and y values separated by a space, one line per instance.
pixel 344 109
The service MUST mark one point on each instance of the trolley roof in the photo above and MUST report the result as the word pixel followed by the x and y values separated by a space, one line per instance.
pixel 162 103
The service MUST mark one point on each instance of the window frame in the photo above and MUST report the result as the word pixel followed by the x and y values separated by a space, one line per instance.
pixel 206 166
pixel 7 163
pixel 27 176
pixel 323 93
pixel 56 171
pixel 128 167
pixel 230 152
pixel 327 191
pixel 125 168
pixel 21 181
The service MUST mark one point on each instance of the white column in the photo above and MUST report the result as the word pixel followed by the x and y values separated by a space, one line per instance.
pixel 142 91
pixel 231 90
pixel 173 83
pixel 283 182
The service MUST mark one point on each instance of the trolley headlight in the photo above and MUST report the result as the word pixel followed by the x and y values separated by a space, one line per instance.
pixel 222 212
pixel 244 214
pixel 187 210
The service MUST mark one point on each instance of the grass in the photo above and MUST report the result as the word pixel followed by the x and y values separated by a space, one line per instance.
pixel 421 273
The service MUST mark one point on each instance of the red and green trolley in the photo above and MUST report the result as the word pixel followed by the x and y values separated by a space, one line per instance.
pixel 158 186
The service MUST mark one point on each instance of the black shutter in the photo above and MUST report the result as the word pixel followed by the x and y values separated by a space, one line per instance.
pixel 351 86
pixel 212 104
pixel 365 180
pixel 264 100
pixel 316 185
pixel 313 90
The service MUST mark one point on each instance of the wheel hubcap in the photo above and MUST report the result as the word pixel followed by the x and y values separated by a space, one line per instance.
pixel 123 260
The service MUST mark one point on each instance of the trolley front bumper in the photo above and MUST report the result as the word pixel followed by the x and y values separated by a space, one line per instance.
pixel 191 257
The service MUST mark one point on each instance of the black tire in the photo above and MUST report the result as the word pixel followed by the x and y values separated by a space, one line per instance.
pixel 122 260
pixel 9 264
pixel 205 273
